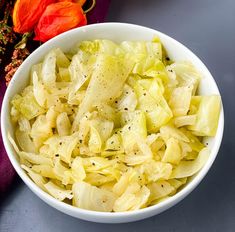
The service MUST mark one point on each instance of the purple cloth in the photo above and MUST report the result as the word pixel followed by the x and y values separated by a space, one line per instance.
pixel 98 14
pixel 7 172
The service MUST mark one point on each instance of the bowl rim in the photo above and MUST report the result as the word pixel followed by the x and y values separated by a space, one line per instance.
pixel 72 210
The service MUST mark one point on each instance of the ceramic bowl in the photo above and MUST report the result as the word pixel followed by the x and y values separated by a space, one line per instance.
pixel 116 32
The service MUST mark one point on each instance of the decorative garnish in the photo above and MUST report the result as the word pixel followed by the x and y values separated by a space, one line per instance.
pixel 43 18
pixel 27 13
pixel 57 18
pixel 7 35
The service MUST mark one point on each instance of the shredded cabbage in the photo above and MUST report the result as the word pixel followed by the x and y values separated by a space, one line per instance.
pixel 113 127
pixel 90 197
pixel 58 192
pixel 207 116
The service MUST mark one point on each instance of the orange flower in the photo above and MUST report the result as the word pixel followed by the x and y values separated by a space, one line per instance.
pixel 57 18
pixel 26 14
pixel 80 2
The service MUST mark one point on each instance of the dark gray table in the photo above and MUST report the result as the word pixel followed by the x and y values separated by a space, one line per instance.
pixel 207 27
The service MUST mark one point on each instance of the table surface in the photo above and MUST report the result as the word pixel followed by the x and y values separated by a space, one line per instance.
pixel 207 28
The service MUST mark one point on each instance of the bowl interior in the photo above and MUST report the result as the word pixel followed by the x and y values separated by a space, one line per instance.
pixel 116 32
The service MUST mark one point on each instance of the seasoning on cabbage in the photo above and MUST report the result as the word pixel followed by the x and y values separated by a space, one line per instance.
pixel 113 128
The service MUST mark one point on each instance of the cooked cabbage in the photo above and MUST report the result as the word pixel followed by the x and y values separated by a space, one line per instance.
pixel 113 127
pixel 58 192
pixel 189 168
pixel 207 116
pixel 90 197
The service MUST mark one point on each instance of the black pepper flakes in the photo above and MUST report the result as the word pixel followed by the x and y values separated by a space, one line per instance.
pixel 80 140
pixel 116 102
pixel 162 185
pixel 56 155
pixel 167 58
pixel 125 108
pixel 60 143
pixel 93 163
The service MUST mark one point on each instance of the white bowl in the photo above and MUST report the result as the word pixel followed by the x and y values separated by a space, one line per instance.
pixel 116 32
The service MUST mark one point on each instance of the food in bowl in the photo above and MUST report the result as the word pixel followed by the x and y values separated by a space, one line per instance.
pixel 113 127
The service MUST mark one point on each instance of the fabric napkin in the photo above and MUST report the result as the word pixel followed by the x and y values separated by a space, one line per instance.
pixel 98 14
pixel 7 172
